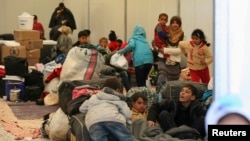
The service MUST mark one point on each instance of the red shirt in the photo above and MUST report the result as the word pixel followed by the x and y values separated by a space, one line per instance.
pixel 158 41
pixel 113 45
pixel 38 26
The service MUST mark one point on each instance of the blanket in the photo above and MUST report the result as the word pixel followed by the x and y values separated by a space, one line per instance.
pixel 142 132
pixel 139 129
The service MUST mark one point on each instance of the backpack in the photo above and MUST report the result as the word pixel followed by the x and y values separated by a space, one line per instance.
pixel 66 88
pixel 16 66
pixel 74 104
pixel 78 128
pixel 34 85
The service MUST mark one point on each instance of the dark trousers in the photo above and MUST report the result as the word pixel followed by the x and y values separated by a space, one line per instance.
pixel 141 74
pixel 125 79
pixel 166 121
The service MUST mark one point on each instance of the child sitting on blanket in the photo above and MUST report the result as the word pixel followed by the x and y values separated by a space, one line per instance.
pixel 187 111
pixel 139 106
pixel 107 113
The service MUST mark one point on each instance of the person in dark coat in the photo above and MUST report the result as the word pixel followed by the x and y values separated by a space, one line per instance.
pixel 171 113
pixel 62 16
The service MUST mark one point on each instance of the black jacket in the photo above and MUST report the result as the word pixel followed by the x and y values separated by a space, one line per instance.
pixel 195 110
pixel 66 15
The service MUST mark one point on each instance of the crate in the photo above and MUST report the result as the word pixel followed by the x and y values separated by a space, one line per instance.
pixel 12 84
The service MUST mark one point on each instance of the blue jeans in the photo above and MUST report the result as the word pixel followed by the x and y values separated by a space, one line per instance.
pixel 100 131
pixel 125 80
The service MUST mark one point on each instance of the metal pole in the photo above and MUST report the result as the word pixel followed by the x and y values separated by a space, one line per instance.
pixel 125 20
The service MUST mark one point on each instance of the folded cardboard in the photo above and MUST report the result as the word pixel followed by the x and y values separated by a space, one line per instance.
pixel 34 53
pixel 32 61
pixel 18 51
pixel 33 56
pixel 26 35
pixel 31 44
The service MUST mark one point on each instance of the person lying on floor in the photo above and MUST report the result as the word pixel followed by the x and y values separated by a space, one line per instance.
pixel 107 113
pixel 187 111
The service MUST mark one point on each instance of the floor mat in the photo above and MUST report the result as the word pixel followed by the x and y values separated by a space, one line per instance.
pixel 29 110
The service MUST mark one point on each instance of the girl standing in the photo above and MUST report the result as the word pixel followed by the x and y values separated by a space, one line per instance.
pixel 198 56
pixel 142 54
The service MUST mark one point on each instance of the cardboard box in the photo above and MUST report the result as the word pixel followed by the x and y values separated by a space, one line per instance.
pixel 18 51
pixel 32 61
pixel 35 53
pixel 26 35
pixel 33 56
pixel 31 44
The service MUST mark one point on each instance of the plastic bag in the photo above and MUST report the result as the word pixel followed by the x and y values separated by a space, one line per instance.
pixel 119 61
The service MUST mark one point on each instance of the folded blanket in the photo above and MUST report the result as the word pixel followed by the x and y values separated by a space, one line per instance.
pixel 108 70
pixel 142 132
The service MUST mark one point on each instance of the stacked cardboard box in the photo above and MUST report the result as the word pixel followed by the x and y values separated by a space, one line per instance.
pixel 33 56
pixel 32 42
pixel 18 51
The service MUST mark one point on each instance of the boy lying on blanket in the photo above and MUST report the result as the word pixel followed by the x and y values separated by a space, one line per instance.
pixel 107 113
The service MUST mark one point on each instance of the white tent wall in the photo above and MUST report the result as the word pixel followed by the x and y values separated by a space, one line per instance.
pixel 105 16
pixel 80 10
pixel 101 16
pixel 119 15
pixel 198 14
pixel 146 12
pixel 11 9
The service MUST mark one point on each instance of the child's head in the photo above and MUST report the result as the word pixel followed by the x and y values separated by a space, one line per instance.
pixel 61 5
pixel 65 30
pixel 199 37
pixel 35 18
pixel 113 83
pixel 163 18
pixel 103 42
pixel 112 36
pixel 188 93
pixel 175 22
pixel 83 36
pixel 139 102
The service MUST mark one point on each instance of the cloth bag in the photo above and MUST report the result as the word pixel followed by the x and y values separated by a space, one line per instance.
pixel 57 126
pixel 119 61
pixel 51 99
pixel 81 64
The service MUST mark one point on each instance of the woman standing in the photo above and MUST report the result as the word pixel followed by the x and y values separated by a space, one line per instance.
pixel 169 68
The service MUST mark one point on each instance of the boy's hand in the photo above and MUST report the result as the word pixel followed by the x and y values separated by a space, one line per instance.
pixel 151 123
